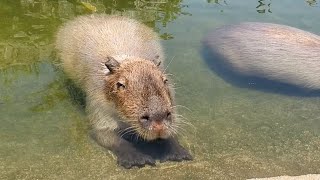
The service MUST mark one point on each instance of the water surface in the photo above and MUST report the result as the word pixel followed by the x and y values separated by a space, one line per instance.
pixel 238 132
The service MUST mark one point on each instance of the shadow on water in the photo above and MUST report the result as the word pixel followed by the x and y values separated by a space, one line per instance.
pixel 222 69
pixel 76 94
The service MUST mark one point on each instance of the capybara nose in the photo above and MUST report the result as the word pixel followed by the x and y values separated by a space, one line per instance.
pixel 161 116
pixel 158 117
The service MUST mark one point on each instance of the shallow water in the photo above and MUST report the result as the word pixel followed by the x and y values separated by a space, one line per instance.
pixel 238 132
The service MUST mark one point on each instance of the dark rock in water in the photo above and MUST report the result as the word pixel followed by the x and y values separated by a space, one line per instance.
pixel 265 56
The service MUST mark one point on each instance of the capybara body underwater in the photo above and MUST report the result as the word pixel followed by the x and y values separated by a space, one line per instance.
pixel 118 62
pixel 272 52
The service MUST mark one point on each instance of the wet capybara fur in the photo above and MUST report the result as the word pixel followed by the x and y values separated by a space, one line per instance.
pixel 118 63
pixel 265 56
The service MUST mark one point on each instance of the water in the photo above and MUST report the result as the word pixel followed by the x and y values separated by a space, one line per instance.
pixel 238 132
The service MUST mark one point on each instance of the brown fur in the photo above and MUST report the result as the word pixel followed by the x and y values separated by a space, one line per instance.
pixel 142 80
pixel 118 62
pixel 87 45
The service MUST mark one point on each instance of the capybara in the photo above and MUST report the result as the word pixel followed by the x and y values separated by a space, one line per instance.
pixel 118 62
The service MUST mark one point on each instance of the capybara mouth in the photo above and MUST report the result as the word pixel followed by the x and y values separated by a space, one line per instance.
pixel 153 130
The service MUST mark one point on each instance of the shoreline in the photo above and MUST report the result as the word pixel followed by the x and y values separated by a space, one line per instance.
pixel 301 177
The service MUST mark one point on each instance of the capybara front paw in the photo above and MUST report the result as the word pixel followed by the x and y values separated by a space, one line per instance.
pixel 129 160
pixel 176 154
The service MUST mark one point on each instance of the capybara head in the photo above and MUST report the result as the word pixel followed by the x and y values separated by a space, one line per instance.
pixel 143 97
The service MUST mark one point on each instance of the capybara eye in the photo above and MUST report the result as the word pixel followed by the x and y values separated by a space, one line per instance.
pixel 120 86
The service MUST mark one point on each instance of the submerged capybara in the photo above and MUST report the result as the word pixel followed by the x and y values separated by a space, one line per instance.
pixel 273 52
pixel 117 61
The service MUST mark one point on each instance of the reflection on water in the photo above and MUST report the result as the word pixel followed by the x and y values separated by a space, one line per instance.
pixel 217 1
pixel 312 2
pixel 264 6
pixel 239 133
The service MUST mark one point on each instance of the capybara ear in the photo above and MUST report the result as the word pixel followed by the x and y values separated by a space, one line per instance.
pixel 111 63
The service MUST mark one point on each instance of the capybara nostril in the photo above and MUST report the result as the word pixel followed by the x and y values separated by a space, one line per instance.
pixel 144 118
pixel 168 114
